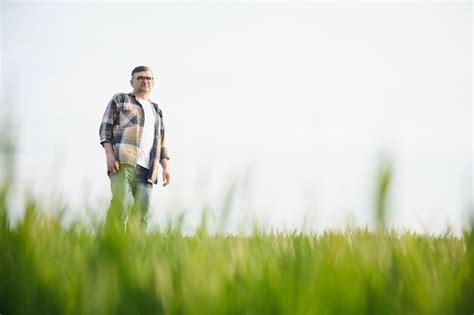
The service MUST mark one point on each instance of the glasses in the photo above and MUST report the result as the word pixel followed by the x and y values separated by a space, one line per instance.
pixel 142 78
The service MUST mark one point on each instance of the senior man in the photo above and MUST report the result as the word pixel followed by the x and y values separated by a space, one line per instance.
pixel 133 136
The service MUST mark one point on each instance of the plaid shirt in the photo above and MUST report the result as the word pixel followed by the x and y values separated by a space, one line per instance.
pixel 122 126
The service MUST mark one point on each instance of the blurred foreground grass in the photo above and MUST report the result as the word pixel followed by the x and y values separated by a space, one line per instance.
pixel 48 269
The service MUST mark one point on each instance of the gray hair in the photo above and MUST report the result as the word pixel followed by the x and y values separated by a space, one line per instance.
pixel 140 69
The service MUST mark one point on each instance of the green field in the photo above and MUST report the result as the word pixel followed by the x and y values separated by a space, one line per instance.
pixel 48 269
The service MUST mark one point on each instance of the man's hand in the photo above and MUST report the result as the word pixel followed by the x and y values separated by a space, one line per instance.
pixel 166 172
pixel 166 176
pixel 112 164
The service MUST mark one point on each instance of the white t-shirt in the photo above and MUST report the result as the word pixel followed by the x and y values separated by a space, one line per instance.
pixel 148 133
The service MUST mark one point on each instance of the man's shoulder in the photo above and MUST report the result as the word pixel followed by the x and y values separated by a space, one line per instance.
pixel 121 97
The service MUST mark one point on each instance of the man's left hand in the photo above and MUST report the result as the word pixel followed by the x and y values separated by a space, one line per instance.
pixel 166 176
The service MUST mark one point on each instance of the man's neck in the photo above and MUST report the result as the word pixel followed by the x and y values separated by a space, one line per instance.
pixel 143 96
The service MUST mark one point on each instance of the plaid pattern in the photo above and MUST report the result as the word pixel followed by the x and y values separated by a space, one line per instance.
pixel 122 126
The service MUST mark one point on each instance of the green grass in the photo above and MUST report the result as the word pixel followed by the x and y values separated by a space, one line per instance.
pixel 48 269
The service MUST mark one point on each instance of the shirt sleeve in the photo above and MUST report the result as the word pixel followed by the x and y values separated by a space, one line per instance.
pixel 108 120
pixel 164 149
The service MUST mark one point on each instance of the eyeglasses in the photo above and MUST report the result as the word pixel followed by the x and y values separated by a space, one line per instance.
pixel 142 78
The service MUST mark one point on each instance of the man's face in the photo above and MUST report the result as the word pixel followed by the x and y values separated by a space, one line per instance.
pixel 142 82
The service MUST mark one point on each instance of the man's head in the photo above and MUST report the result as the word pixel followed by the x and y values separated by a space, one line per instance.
pixel 142 80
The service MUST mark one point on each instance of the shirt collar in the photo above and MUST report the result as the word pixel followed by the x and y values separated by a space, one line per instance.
pixel 131 94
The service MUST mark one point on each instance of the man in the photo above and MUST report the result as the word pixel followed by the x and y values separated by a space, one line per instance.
pixel 133 136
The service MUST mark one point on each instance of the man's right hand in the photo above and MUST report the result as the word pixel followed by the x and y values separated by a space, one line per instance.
pixel 113 165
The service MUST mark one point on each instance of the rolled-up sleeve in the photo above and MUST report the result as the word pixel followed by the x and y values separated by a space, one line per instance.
pixel 107 124
pixel 164 149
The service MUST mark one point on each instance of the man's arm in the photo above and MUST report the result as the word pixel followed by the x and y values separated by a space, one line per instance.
pixel 166 171
pixel 106 135
pixel 108 120
pixel 164 157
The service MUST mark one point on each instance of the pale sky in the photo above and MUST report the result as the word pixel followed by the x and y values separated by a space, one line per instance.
pixel 293 103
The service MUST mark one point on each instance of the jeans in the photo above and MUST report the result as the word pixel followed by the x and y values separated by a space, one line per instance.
pixel 130 194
